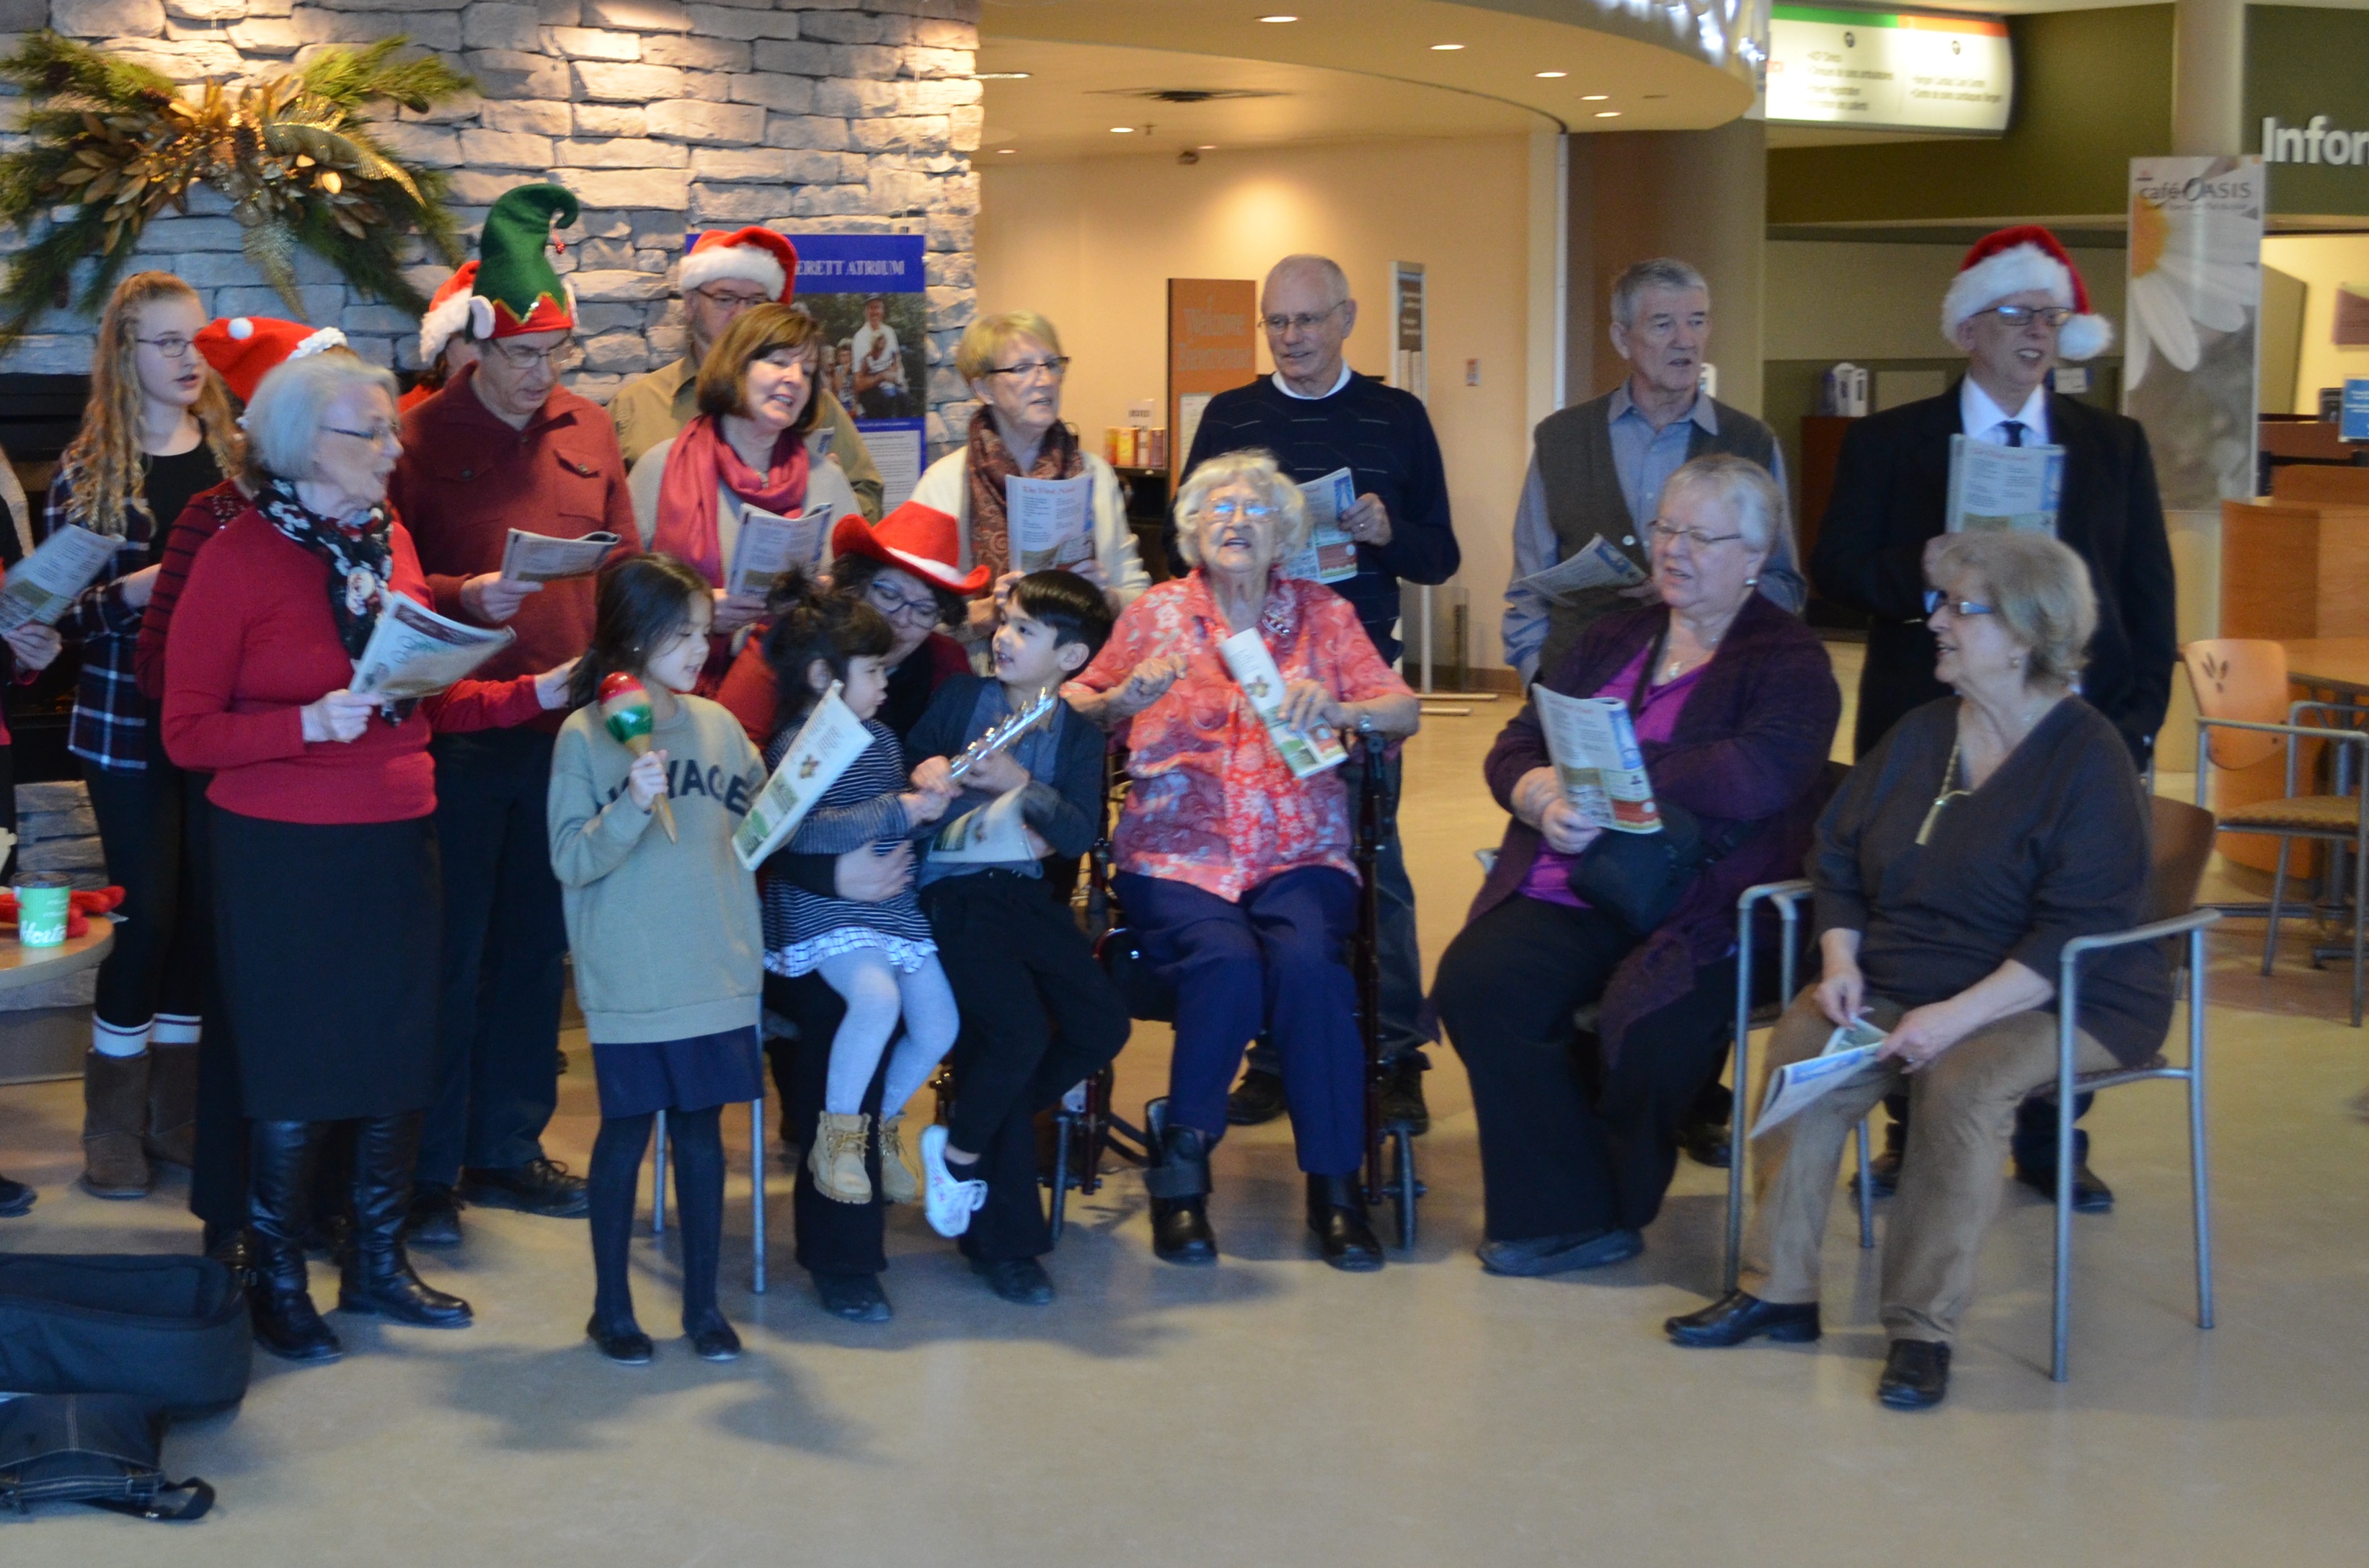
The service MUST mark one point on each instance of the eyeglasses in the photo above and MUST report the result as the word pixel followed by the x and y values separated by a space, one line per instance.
pixel 731 302
pixel 173 348
pixel 1937 601
pixel 1306 321
pixel 1056 367
pixel 1657 531
pixel 379 437
pixel 561 356
pixel 897 607
pixel 1226 511
pixel 2050 316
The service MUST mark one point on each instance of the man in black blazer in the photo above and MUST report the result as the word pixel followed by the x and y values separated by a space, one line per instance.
pixel 2016 307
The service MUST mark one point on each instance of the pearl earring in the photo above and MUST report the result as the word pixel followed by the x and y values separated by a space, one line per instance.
pixel 1750 582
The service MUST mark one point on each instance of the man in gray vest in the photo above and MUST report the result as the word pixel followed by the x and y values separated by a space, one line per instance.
pixel 1596 470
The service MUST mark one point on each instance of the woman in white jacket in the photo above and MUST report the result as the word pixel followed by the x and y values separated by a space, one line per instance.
pixel 1015 364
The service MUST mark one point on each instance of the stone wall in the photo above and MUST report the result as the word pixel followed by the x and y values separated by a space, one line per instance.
pixel 853 116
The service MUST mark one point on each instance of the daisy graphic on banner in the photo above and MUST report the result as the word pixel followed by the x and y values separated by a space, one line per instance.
pixel 2190 268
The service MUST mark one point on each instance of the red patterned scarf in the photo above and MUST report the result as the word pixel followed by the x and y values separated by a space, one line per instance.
pixel 702 458
pixel 989 466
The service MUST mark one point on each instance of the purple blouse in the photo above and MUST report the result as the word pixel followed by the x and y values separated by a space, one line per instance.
pixel 1549 876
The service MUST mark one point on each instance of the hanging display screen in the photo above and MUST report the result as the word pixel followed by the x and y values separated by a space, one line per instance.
pixel 1889 71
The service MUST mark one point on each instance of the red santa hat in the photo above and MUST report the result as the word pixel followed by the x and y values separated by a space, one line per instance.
pixel 914 538
pixel 448 312
pixel 2017 259
pixel 753 254
pixel 243 349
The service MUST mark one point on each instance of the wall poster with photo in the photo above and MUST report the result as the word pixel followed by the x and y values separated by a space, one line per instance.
pixel 868 293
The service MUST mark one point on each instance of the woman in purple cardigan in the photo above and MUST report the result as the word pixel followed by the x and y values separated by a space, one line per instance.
pixel 1734 705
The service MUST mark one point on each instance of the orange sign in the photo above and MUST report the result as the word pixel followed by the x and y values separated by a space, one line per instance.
pixel 1212 346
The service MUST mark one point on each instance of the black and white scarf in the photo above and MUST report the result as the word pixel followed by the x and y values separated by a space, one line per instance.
pixel 360 558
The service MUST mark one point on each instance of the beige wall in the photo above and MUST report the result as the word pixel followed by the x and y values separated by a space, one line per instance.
pixel 1834 300
pixel 2321 262
pixel 1092 245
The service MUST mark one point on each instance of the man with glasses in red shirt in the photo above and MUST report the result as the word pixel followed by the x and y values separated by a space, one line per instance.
pixel 504 445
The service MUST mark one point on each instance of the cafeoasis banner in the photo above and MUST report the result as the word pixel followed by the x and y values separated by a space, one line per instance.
pixel 2189 344
pixel 1881 71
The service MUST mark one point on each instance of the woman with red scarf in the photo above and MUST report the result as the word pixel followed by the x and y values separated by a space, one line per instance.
pixel 746 448
pixel 1015 366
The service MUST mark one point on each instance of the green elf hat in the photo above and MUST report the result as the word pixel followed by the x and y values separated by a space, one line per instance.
pixel 517 290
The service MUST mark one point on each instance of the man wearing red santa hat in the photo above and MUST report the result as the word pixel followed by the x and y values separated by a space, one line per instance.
pixel 2016 308
pixel 723 275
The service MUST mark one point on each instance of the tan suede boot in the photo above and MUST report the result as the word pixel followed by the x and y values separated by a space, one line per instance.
pixel 114 1120
pixel 836 1158
pixel 173 1104
pixel 898 1182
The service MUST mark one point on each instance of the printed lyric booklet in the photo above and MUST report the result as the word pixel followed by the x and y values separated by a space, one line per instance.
pixel 414 652
pixel 771 544
pixel 1047 518
pixel 1996 488
pixel 1330 555
pixel 832 738
pixel 1594 747
pixel 1599 562
pixel 538 557
pixel 43 586
pixel 1305 752
pixel 1799 1084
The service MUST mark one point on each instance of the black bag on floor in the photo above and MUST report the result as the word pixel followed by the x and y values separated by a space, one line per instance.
pixel 170 1329
pixel 102 1449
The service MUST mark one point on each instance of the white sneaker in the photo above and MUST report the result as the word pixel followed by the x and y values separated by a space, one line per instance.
pixel 949 1203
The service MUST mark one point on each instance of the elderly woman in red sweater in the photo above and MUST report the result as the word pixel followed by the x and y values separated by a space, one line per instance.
pixel 322 831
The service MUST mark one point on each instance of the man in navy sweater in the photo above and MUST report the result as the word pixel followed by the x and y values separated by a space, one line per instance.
pixel 1317 415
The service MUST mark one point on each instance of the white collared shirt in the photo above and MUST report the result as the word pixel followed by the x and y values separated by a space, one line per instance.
pixel 1284 387
pixel 1981 418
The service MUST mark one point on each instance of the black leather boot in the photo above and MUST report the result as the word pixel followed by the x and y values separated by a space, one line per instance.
pixel 1336 1212
pixel 1178 1180
pixel 378 1275
pixel 279 1195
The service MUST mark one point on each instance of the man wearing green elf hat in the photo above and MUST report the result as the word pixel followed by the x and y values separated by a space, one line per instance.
pixel 504 446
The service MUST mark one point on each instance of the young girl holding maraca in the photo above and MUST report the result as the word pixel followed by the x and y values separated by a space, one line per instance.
pixel 664 924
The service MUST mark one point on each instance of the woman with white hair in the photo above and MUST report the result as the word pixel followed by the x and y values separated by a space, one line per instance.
pixel 1734 707
pixel 1235 873
pixel 325 884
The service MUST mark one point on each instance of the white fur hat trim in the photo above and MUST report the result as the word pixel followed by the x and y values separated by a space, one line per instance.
pixel 2014 271
pixel 327 338
pixel 439 324
pixel 745 262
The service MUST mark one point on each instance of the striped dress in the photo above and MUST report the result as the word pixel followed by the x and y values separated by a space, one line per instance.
pixel 802 929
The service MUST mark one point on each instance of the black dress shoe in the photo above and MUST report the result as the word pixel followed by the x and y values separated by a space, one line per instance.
pixel 1916 1375
pixel 230 1246
pixel 435 1217
pixel 714 1341
pixel 1706 1143
pixel 1257 1098
pixel 2090 1195
pixel 539 1186
pixel 855 1297
pixel 1336 1212
pixel 16 1198
pixel 1021 1281
pixel 1403 1103
pixel 1884 1172
pixel 1554 1254
pixel 624 1343
pixel 1739 1316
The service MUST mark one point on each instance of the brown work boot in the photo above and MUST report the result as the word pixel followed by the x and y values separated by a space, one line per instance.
pixel 836 1158
pixel 115 1122
pixel 896 1181
pixel 173 1104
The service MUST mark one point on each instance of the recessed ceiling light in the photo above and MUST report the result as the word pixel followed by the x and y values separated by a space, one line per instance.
pixel 1003 76
pixel 1607 114
pixel 1122 129
pixel 1206 147
pixel 1443 48
pixel 1004 151
pixel 1594 97
pixel 1549 75
pixel 1278 19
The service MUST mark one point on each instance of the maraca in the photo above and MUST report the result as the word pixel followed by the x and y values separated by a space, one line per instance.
pixel 625 711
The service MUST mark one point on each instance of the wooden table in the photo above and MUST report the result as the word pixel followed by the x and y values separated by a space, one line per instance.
pixel 2336 664
pixel 21 965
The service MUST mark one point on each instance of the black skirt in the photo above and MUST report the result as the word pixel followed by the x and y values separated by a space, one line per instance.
pixel 328 939
pixel 680 1075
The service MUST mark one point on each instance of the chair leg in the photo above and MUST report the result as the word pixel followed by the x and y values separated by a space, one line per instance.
pixel 1739 1120
pixel 2278 898
pixel 1065 1128
pixel 756 1194
pixel 658 1177
pixel 2360 912
pixel 2061 1301
pixel 2200 1170
pixel 1866 1191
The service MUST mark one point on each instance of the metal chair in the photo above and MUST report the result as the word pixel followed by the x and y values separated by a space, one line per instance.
pixel 2183 842
pixel 1787 897
pixel 756 1189
pixel 2239 686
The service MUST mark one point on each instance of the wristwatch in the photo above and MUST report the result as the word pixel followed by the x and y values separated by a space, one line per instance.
pixel 1365 725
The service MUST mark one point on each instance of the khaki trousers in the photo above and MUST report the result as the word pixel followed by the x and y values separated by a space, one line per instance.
pixel 1962 1110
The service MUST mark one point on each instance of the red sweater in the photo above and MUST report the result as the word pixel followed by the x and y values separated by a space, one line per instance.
pixel 466 479
pixel 252 643
pixel 205 516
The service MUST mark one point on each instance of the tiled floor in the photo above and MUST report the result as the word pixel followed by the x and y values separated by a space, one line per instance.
pixel 1272 1411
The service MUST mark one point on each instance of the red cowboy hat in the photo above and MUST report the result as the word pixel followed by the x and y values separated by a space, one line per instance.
pixel 914 538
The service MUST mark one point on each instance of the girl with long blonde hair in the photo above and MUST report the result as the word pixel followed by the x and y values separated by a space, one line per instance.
pixel 158 430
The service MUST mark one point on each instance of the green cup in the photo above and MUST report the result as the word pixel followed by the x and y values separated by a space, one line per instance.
pixel 42 899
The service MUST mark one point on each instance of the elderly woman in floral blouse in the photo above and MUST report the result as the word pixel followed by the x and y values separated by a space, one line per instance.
pixel 1235 874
